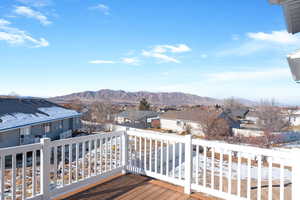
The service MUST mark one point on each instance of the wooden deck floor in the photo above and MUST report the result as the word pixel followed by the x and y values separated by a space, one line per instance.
pixel 133 187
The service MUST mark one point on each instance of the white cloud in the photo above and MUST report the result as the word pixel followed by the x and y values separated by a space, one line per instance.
pixel 4 22
pixel 160 56
pixel 131 61
pixel 250 75
pixel 162 52
pixel 16 36
pixel 30 13
pixel 180 48
pixel 102 62
pixel 281 37
pixel 103 8
pixel 280 41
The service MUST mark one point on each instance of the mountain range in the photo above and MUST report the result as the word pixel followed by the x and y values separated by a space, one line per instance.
pixel 156 98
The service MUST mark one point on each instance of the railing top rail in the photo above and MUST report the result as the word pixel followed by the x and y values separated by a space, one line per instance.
pixel 20 149
pixel 156 135
pixel 86 138
pixel 244 149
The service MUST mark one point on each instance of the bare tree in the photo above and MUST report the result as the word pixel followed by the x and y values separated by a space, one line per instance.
pixel 100 112
pixel 271 119
pixel 213 126
pixel 232 103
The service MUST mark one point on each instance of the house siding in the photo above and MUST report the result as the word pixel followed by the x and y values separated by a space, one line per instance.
pixel 10 138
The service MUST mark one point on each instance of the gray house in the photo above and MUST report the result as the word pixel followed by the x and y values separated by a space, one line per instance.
pixel 136 118
pixel 26 120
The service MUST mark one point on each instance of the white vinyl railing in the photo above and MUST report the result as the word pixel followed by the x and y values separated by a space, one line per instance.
pixel 49 169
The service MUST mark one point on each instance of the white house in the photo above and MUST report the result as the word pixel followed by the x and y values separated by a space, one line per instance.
pixel 179 121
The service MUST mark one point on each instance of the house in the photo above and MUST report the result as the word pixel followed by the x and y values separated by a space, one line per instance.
pixel 26 120
pixel 136 118
pixel 237 113
pixel 180 121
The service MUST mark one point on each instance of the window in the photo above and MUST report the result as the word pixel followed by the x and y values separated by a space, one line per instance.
pixel 25 131
pixel 47 127
pixel 61 124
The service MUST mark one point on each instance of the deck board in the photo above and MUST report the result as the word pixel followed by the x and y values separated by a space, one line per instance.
pixel 130 187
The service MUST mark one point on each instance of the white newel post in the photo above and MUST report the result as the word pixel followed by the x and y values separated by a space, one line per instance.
pixel 188 164
pixel 45 167
pixel 296 175
pixel 124 151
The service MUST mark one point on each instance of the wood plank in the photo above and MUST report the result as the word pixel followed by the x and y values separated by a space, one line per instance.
pixel 155 195
pixel 152 189
pixel 136 192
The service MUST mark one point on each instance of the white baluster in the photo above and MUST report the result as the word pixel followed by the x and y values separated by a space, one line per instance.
pixel 197 165
pixel 212 167
pixel 167 164
pixel 63 164
pixel 161 156
pixel 145 154
pixel 96 156
pixel 230 171
pixel 174 158
pixel 204 166
pixel 150 156
pixel 270 178
pixel 89 156
pixel 116 152
pixel 282 181
pixel 106 152
pixel 77 162
pixel 259 177
pixel 140 153
pixel 239 175
pixel 83 159
pixel 155 156
pixel 70 163
pixel 180 161
pixel 221 170
pixel 55 165
pixel 249 177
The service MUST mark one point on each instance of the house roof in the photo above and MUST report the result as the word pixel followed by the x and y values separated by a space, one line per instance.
pixel 188 115
pixel 18 112
pixel 137 114
pixel 237 113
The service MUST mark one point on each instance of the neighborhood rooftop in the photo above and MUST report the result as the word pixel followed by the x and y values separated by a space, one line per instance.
pixel 188 115
pixel 137 114
pixel 18 112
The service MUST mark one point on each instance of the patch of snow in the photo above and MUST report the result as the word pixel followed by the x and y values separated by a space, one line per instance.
pixel 23 119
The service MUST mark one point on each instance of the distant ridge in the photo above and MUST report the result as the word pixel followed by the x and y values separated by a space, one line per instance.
pixel 156 98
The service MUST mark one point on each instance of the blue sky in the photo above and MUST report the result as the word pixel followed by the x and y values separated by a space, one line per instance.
pixel 210 48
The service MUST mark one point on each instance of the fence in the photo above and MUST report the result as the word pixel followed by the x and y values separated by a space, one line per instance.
pixel 50 169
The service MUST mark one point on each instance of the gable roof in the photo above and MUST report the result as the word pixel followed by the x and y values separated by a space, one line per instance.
pixel 137 114
pixel 188 115
pixel 18 112
pixel 237 113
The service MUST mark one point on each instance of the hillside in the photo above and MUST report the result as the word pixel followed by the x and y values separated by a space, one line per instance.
pixel 120 96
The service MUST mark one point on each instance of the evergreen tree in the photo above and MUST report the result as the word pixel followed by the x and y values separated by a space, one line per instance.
pixel 144 105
